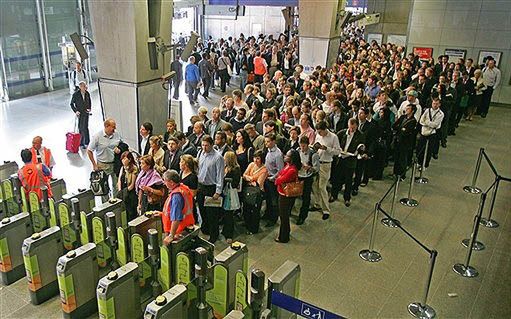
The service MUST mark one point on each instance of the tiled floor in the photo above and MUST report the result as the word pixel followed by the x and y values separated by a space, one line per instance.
pixel 333 276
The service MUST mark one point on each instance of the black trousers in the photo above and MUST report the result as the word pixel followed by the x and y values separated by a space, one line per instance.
pixel 306 197
pixel 228 230
pixel 224 78
pixel 83 129
pixel 485 103
pixel 252 215
pixel 210 215
pixel 207 85
pixel 176 84
pixel 285 206
pixel 421 148
pixel 401 158
pixel 345 173
pixel 271 196
pixel 362 172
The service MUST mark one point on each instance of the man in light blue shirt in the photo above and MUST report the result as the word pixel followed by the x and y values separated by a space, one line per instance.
pixel 192 79
pixel 274 163
pixel 211 181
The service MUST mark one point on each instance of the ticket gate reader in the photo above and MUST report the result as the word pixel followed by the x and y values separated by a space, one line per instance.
pixel 78 274
pixel 118 293
pixel 41 252
pixel 7 168
pixel 200 308
pixel 40 211
pixel 172 304
pixel 225 268
pixel 116 206
pixel 285 279
pixel 13 196
pixel 13 231
pixel 252 308
pixel 74 227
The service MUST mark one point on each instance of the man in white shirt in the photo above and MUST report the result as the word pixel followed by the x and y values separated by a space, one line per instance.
pixel 411 98
pixel 431 121
pixel 491 76
pixel 327 146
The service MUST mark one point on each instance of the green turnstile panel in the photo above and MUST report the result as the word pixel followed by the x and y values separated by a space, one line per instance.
pixel 13 231
pixel 104 252
pixel 68 232
pixel 38 220
pixel 172 304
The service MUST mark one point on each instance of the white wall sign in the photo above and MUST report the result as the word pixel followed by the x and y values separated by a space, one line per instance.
pixel 455 54
pixel 396 39
pixel 378 37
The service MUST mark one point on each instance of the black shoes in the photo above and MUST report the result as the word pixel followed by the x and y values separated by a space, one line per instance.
pixel 332 199
pixel 277 240
pixel 444 144
pixel 435 156
pixel 300 221
pixel 314 209
pixel 270 224
pixel 347 203
pixel 325 216
pixel 354 192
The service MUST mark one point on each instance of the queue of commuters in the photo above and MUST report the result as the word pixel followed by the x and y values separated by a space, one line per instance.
pixel 286 134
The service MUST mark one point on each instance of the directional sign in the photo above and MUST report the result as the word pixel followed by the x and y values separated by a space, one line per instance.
pixel 301 308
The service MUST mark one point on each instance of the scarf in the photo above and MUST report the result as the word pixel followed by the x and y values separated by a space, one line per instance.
pixel 149 178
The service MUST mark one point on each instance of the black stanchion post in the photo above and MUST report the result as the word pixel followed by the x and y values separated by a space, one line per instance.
pixel 473 189
pixel 465 269
pixel 477 245
pixel 370 254
pixel 392 222
pixel 421 179
pixel 488 222
pixel 409 201
pixel 422 309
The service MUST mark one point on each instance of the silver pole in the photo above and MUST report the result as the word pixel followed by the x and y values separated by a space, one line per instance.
pixel 472 188
pixel 409 201
pixel 488 222
pixel 465 269
pixel 370 254
pixel 42 39
pixel 423 180
pixel 392 222
pixel 422 309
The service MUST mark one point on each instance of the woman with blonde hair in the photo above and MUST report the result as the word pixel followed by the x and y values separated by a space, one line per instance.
pixel 157 152
pixel 188 166
pixel 150 184
pixel 232 177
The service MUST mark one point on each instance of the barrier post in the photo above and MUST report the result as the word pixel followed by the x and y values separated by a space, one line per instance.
pixel 465 269
pixel 392 222
pixel 422 309
pixel 477 245
pixel 488 222
pixel 409 201
pixel 421 179
pixel 369 254
pixel 472 189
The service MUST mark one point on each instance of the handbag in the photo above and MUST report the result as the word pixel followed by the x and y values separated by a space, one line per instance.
pixel 464 101
pixel 251 195
pixel 231 199
pixel 251 78
pixel 293 189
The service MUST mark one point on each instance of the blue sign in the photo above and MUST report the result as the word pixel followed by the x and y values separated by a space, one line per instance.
pixel 301 308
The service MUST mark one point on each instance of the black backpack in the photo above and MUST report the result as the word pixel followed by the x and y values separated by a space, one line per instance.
pixel 99 183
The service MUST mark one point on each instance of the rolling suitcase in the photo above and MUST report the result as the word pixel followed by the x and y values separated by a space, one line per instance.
pixel 73 139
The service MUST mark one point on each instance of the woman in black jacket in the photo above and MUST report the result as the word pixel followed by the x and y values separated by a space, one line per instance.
pixel 404 140
pixel 232 177
pixel 382 143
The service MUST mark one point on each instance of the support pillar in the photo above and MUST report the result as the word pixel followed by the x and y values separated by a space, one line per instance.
pixel 394 19
pixel 130 91
pixel 319 31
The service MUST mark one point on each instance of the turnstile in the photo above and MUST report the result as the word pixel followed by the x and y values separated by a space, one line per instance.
pixel 78 275
pixel 84 196
pixel 119 293
pixel 7 168
pixel 172 304
pixel 58 189
pixel 116 206
pixel 70 211
pixel 14 197
pixel 285 279
pixel 13 231
pixel 41 252
pixel 252 308
pixel 227 264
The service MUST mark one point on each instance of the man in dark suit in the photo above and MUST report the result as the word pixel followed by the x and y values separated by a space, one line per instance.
pixel 349 141
pixel 238 121
pixel 185 146
pixel 221 143
pixel 229 112
pixel 364 162
pixel 337 119
pixel 198 133
pixel 177 67
pixel 297 82
pixel 295 120
pixel 172 155
pixel 404 140
pixel 442 66
pixel 281 99
pixel 81 105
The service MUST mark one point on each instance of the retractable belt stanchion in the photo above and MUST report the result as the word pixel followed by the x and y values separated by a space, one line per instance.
pixel 421 179
pixel 370 254
pixel 465 269
pixel 488 222
pixel 409 201
pixel 472 189
pixel 392 222
pixel 422 309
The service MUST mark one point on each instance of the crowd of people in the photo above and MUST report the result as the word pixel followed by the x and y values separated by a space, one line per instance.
pixel 285 134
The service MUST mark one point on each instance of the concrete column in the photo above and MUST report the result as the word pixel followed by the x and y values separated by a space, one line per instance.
pixel 394 18
pixel 130 91
pixel 319 31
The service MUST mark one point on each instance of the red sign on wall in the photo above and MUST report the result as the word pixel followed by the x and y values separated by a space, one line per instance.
pixel 423 53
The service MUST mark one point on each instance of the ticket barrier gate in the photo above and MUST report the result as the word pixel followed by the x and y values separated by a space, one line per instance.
pixel 8 168
pixel 13 231
pixel 78 274
pixel 285 279
pixel 58 189
pixel 172 304
pixel 74 229
pixel 255 306
pixel 118 293
pixel 13 196
pixel 42 211
pixel 225 271
pixel 41 252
